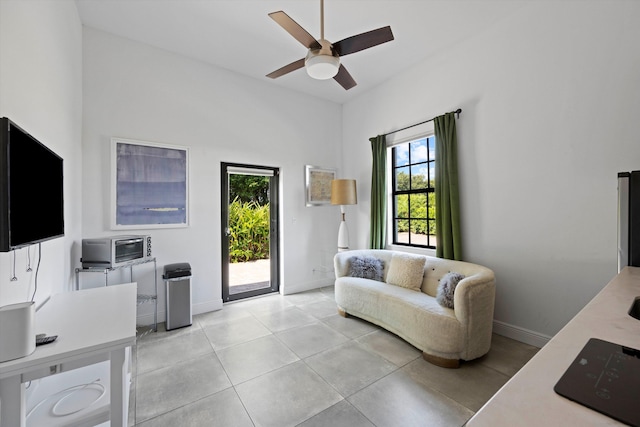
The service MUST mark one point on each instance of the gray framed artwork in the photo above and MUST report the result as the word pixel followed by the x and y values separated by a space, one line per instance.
pixel 150 185
pixel 318 185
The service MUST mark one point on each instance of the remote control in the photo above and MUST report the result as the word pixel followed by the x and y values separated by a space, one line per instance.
pixel 45 340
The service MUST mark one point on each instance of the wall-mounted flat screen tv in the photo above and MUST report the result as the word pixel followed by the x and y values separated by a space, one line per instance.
pixel 31 189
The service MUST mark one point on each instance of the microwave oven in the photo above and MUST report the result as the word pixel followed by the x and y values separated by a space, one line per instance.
pixel 115 251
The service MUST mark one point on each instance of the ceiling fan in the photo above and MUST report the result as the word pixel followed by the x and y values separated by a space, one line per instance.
pixel 323 59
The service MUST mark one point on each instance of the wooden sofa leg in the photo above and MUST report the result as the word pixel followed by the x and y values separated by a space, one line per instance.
pixel 342 313
pixel 441 361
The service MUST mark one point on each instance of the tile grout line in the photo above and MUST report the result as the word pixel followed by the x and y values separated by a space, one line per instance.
pixel 253 311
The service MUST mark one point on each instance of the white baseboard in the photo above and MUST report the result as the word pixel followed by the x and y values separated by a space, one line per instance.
pixel 205 307
pixel 199 308
pixel 520 334
pixel 316 284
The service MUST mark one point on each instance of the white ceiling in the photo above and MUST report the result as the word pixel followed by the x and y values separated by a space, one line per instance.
pixel 238 35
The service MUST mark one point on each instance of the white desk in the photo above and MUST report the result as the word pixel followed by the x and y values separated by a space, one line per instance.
pixel 92 325
pixel 528 399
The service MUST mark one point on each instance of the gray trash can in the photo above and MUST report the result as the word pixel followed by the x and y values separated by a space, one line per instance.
pixel 178 295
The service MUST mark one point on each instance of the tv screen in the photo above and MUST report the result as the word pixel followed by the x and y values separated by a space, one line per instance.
pixel 31 189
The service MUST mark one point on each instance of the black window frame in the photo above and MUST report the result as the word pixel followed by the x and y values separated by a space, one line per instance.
pixel 430 189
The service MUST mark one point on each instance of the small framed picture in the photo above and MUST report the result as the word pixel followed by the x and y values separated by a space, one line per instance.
pixel 149 185
pixel 318 185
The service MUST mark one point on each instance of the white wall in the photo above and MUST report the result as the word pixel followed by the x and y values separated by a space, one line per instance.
pixel 41 91
pixel 135 91
pixel 550 99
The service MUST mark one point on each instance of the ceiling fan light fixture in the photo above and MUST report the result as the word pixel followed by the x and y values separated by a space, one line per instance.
pixel 322 67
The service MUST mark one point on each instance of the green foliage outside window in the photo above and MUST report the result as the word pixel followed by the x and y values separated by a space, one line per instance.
pixel 249 188
pixel 418 206
pixel 418 181
pixel 249 227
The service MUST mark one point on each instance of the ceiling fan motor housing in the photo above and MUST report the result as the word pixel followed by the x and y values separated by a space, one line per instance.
pixel 323 63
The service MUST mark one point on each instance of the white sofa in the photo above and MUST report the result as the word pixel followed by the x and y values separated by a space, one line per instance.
pixel 445 335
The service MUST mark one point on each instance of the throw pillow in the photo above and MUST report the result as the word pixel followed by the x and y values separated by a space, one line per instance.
pixel 367 267
pixel 447 287
pixel 406 270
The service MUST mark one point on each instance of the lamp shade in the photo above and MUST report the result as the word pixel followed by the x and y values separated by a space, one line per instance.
pixel 343 192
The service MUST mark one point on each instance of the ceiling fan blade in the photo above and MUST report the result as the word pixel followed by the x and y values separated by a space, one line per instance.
pixel 344 78
pixel 363 41
pixel 287 69
pixel 293 28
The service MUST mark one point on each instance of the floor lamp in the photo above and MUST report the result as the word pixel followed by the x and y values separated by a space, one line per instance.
pixel 343 192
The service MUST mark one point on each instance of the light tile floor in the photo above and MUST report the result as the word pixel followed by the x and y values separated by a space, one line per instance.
pixel 293 361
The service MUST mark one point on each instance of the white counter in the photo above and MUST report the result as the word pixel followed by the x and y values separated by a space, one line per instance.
pixel 92 325
pixel 528 398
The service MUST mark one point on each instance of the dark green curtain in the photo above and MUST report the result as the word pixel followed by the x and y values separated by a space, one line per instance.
pixel 378 193
pixel 446 188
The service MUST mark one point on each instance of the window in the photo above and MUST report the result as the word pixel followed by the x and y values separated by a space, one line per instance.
pixel 413 192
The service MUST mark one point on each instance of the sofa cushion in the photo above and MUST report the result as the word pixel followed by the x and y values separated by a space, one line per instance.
pixel 447 287
pixel 366 267
pixel 406 270
pixel 436 268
